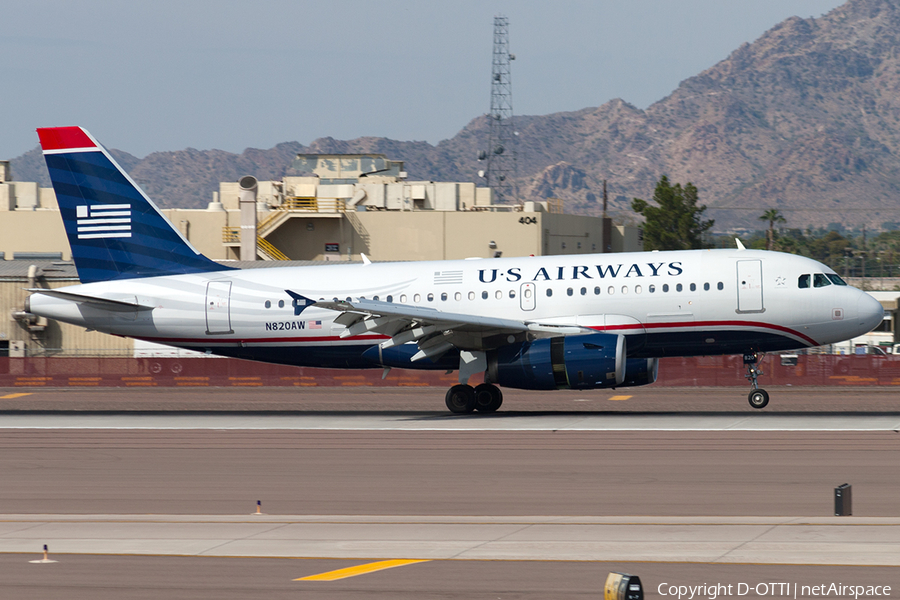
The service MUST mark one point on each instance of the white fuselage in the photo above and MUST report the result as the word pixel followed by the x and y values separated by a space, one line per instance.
pixel 698 302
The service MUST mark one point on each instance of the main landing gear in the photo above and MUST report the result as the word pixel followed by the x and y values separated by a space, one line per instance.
pixel 758 398
pixel 484 398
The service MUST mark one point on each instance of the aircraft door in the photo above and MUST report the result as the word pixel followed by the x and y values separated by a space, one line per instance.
pixel 218 307
pixel 749 281
pixel 527 296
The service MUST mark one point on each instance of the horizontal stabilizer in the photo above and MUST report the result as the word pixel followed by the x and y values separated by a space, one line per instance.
pixel 104 303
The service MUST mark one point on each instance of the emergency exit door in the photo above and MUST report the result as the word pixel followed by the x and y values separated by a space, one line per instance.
pixel 750 290
pixel 526 296
pixel 218 307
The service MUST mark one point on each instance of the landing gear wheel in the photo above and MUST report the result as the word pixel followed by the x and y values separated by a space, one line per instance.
pixel 758 398
pixel 488 398
pixel 460 399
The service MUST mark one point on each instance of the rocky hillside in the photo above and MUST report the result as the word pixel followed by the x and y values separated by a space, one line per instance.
pixel 805 119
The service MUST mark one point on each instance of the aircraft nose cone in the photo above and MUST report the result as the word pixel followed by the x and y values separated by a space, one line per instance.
pixel 870 313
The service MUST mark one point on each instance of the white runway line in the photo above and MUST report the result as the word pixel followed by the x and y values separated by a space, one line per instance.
pixel 498 422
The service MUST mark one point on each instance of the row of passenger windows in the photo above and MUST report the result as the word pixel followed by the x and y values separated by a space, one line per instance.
pixel 819 280
pixel 498 294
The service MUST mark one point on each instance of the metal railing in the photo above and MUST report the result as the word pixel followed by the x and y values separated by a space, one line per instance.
pixel 270 251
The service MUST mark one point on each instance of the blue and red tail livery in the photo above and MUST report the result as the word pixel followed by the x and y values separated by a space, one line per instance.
pixel 115 231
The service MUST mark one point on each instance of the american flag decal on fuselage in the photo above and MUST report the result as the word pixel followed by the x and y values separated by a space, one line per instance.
pixel 104 221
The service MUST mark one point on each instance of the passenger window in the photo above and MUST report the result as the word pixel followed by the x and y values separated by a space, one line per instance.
pixel 471 295
pixel 444 297
pixel 665 287
pixel 651 288
pixel 820 280
pixel 484 295
pixel 457 296
pixel 597 290
pixel 549 292
pixel 693 287
pixel 512 293
pixel 430 297
pixel 569 292
pixel 417 298
pixel 624 289
pixel 637 289
pixel 803 282
pixel 705 287
pixel 375 298
pixel 583 291
pixel 679 287
pixel 498 294
pixel 390 298
pixel 720 286
pixel 268 304
pixel 402 298
pixel 611 290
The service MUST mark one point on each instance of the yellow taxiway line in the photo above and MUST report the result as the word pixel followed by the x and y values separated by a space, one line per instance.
pixel 11 396
pixel 359 570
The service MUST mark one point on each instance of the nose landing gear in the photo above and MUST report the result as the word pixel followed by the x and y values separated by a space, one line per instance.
pixel 758 398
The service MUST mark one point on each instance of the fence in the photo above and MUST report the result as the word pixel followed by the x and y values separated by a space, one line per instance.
pixel 812 370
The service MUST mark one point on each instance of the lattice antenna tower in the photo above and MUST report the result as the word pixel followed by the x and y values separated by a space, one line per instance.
pixel 500 170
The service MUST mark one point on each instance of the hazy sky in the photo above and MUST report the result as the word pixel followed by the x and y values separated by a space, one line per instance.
pixel 167 75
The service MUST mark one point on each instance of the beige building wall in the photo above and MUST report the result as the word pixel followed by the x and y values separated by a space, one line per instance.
pixel 202 228
pixel 33 231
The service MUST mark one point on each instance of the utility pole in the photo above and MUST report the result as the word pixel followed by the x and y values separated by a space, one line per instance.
pixel 607 223
pixel 500 170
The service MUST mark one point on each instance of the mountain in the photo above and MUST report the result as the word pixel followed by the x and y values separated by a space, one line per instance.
pixel 806 119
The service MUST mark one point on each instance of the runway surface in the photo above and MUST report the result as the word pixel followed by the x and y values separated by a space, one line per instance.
pixel 747 540
pixel 548 497
pixel 426 400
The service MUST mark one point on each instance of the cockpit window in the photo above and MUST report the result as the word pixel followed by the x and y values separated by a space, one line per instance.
pixel 820 280
pixel 803 282
pixel 835 279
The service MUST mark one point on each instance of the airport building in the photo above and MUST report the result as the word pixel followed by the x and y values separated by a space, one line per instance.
pixel 337 208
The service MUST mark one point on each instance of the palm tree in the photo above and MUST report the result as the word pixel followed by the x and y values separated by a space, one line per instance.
pixel 773 215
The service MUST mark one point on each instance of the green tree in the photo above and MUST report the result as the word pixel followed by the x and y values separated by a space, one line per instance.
pixel 773 215
pixel 676 222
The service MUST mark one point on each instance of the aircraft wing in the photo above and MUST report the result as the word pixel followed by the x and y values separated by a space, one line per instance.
pixel 434 331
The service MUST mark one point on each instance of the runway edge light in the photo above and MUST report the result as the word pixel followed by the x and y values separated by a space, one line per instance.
pixel 623 586
pixel 43 560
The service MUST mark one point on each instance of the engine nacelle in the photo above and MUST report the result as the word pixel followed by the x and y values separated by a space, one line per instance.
pixel 581 362
pixel 640 371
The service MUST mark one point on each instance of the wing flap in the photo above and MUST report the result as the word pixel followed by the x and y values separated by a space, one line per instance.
pixel 405 323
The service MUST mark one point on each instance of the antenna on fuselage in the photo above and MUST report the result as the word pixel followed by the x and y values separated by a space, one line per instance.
pixel 740 245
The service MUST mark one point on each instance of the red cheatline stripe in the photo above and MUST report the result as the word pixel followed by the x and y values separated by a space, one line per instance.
pixel 703 324
pixel 692 325
pixel 372 339
pixel 62 138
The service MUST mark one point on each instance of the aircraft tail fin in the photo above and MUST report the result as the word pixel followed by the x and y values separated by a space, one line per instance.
pixel 115 231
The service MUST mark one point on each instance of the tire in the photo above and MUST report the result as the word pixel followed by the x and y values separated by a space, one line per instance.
pixel 460 399
pixel 758 398
pixel 488 398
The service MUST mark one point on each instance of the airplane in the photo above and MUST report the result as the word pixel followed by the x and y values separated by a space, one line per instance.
pixel 589 321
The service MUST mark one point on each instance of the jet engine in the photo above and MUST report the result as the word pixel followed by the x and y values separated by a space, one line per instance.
pixel 640 371
pixel 584 362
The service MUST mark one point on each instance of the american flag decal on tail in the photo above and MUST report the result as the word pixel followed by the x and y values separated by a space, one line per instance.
pixel 103 221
